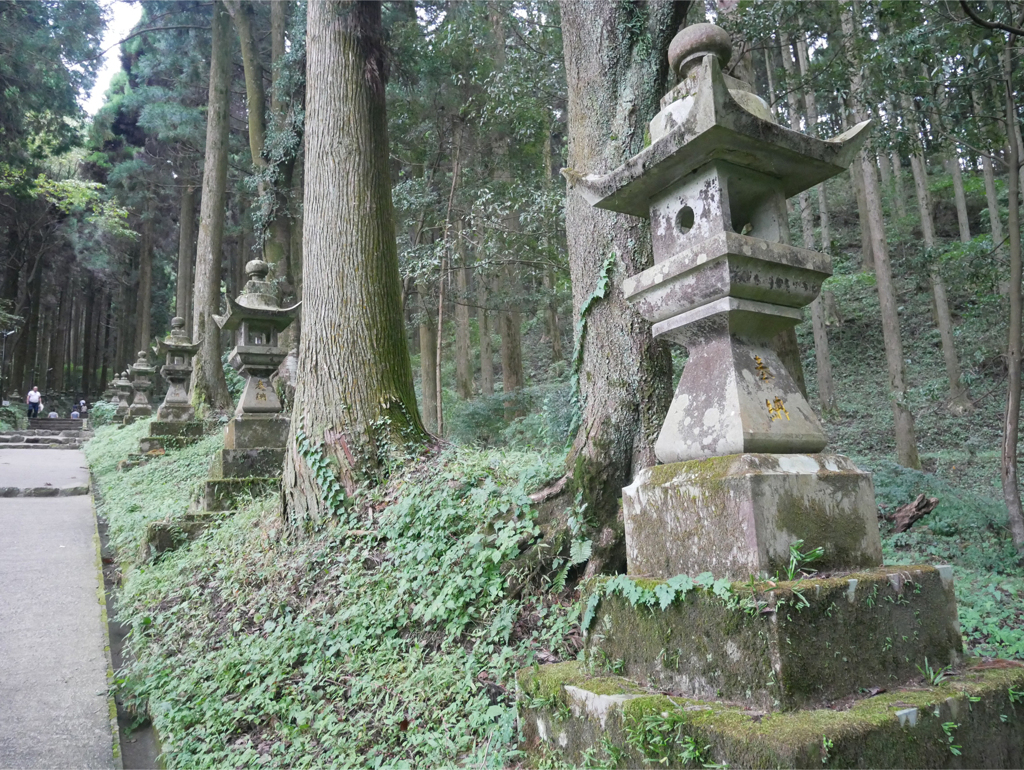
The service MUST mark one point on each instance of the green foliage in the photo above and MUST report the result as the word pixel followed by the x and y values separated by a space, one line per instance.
pixel 798 561
pixel 235 381
pixel 160 489
pixel 101 413
pixel 392 646
pixel 662 595
pixel 483 421
pixel 661 737
pixel 934 677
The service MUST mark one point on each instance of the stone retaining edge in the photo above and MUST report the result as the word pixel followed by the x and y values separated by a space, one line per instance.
pixel 101 597
pixel 44 491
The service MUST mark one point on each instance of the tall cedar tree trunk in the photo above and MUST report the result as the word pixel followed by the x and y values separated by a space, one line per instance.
pixel 208 384
pixel 142 319
pixel 275 217
pixel 1011 427
pixel 354 388
pixel 962 218
pixel 822 357
pixel 616 68
pixel 186 254
pixel 906 440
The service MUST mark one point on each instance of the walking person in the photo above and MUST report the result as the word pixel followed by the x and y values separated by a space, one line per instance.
pixel 34 399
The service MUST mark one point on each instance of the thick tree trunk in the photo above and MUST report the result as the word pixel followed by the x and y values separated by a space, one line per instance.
pixel 484 325
pixel 463 363
pixel 208 385
pixel 428 363
pixel 1011 426
pixel 884 171
pixel 354 387
pixel 186 254
pixel 615 79
pixel 25 369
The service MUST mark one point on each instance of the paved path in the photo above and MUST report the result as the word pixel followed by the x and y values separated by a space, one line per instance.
pixel 54 710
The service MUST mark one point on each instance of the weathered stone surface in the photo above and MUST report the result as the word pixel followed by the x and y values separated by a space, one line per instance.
pixel 787 645
pixel 256 432
pixel 734 395
pixel 569 716
pixel 737 516
pixel 227 494
pixel 142 383
pixel 243 463
pixel 178 351
pixel 189 429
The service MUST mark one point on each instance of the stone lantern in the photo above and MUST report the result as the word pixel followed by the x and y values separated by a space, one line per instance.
pixel 175 424
pixel 725 282
pixel 255 437
pixel 142 382
pixel 730 624
pixel 178 351
pixel 122 392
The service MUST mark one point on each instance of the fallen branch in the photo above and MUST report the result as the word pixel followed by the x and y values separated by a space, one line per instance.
pixel 907 515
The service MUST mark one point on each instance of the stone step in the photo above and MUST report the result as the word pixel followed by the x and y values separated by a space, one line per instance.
pixel 44 423
pixel 973 718
pixel 784 645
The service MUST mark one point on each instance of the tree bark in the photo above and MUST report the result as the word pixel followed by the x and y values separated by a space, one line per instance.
pixel 143 318
pixel 899 194
pixel 551 317
pixel 354 388
pixel 615 79
pixel 186 254
pixel 463 364
pixel 208 384
pixel 963 220
pixel 428 363
pixel 1011 426
pixel 906 440
pixel 484 325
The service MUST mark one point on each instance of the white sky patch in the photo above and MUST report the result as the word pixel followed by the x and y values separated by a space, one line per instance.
pixel 121 17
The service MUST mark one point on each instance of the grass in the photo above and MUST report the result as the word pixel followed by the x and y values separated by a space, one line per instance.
pixel 253 647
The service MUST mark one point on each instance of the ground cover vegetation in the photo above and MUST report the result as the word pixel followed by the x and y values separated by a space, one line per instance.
pixel 506 392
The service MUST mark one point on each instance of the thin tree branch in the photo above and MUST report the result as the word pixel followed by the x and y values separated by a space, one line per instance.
pixel 990 24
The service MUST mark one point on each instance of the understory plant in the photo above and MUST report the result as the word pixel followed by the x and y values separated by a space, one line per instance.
pixel 387 638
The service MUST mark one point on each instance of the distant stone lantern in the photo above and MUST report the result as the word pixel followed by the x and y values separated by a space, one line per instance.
pixel 142 382
pixel 178 351
pixel 254 441
pixel 122 392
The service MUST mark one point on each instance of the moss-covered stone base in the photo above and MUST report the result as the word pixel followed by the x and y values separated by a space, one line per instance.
pixel 785 645
pixel 973 719
pixel 738 515
pixel 189 429
pixel 226 494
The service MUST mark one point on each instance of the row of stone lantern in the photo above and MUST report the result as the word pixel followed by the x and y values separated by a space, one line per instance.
pixel 254 442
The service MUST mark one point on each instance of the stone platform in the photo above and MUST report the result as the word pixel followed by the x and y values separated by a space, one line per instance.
pixel 786 645
pixel 165 435
pixel 973 719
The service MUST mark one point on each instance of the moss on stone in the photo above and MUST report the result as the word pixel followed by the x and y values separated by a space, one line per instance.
pixel 989 729
pixel 786 645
